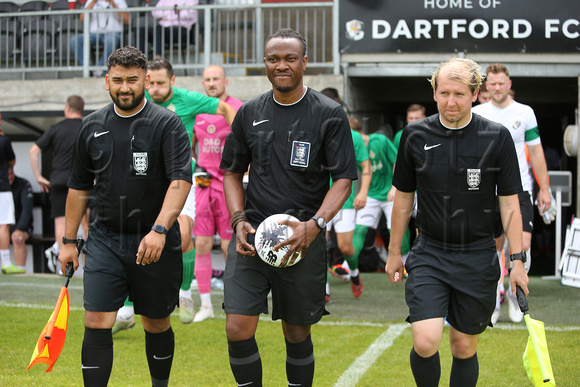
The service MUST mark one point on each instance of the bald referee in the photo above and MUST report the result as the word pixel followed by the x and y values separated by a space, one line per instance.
pixel 455 160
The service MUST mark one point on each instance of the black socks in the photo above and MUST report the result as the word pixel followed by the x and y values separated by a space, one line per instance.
pixel 245 362
pixel 300 363
pixel 97 357
pixel 464 372
pixel 159 348
pixel 426 370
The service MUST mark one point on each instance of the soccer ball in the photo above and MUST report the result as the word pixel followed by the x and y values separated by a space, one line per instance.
pixel 269 234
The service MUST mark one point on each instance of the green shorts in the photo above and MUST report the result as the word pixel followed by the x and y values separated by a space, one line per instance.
pixel 111 274
pixel 297 291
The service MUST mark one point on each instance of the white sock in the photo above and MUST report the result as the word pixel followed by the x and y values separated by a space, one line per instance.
pixel 185 293
pixel 354 272
pixel 5 258
pixel 327 288
pixel 206 300
pixel 21 267
pixel 55 248
pixel 125 312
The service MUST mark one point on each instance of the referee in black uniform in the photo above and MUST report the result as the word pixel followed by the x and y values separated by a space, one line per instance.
pixel 295 139
pixel 139 155
pixel 455 160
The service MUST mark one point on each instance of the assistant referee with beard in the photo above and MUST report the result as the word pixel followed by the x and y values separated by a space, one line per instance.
pixel 455 160
pixel 140 157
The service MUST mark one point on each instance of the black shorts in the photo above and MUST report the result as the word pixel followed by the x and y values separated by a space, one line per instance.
pixel 58 200
pixel 110 273
pixel 297 291
pixel 459 284
pixel 527 210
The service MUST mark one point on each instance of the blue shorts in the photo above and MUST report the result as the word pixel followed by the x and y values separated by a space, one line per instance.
pixel 111 274
pixel 459 284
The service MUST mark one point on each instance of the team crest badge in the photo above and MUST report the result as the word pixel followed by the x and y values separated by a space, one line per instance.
pixel 300 154
pixel 354 30
pixel 140 163
pixel 211 129
pixel 171 107
pixel 473 178
pixel 517 125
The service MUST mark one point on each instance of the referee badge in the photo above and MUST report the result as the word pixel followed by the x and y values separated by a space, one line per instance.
pixel 300 154
pixel 473 178
pixel 140 163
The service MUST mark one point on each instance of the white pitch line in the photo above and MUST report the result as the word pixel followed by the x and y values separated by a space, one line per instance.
pixel 360 366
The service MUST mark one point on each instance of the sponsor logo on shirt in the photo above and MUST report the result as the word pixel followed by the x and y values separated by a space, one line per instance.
pixel 473 179
pixel 211 129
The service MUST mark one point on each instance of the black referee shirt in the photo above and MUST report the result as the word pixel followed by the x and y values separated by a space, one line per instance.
pixel 293 150
pixel 455 173
pixel 133 159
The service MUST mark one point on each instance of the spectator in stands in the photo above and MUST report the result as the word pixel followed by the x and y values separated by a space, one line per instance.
pixel 59 139
pixel 172 26
pixel 7 159
pixel 105 30
pixel 20 232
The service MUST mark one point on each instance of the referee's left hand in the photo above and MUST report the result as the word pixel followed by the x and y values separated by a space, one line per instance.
pixel 150 248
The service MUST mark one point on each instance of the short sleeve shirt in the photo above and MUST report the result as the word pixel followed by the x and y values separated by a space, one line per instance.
pixel 187 105
pixel 60 139
pixel 361 154
pixel 293 149
pixel 455 174
pixel 210 132
pixel 383 155
pixel 523 126
pixel 133 160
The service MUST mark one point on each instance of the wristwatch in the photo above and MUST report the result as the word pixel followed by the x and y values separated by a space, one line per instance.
pixel 66 241
pixel 320 222
pixel 519 257
pixel 159 229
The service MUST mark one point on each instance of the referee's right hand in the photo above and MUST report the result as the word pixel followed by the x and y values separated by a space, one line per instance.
pixel 395 267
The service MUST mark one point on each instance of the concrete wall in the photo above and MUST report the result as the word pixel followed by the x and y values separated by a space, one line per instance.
pixel 48 95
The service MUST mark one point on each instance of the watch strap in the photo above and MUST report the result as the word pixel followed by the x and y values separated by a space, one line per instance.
pixel 521 256
pixel 159 229
pixel 66 241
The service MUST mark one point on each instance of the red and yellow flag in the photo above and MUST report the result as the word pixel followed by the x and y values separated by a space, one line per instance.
pixel 51 340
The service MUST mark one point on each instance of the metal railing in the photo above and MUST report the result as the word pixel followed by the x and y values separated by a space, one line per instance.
pixel 38 44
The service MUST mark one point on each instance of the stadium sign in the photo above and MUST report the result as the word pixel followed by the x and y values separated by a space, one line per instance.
pixel 518 26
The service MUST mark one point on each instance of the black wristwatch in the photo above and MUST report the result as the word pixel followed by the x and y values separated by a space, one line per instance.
pixel 519 257
pixel 159 229
pixel 66 241
pixel 320 222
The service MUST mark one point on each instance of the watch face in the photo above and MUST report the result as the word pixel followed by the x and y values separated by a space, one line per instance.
pixel 321 222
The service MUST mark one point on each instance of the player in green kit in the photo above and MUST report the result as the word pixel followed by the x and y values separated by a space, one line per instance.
pixel 187 105
pixel 383 155
pixel 344 221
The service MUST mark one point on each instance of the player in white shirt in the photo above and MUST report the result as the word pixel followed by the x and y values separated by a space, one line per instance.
pixel 523 126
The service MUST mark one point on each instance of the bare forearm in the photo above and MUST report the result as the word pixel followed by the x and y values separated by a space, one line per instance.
pixel 402 209
pixel 539 165
pixel 227 111
pixel 511 219
pixel 234 191
pixel 173 202
pixel 76 204
pixel 335 198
